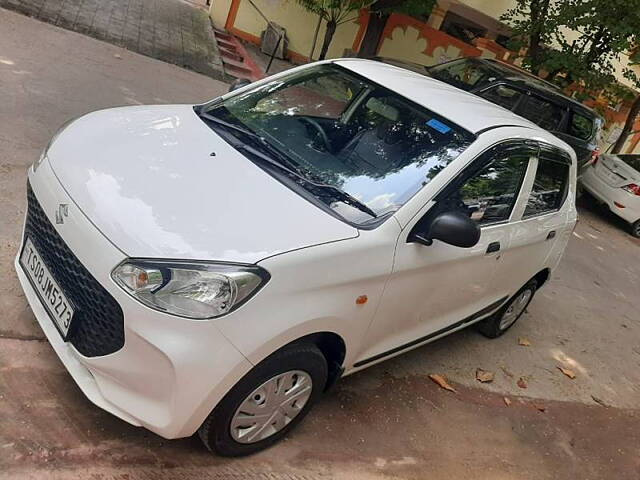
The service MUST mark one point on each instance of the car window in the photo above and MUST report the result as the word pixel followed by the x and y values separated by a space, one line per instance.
pixel 549 187
pixel 581 126
pixel 503 95
pixel 542 112
pixel 630 159
pixel 490 195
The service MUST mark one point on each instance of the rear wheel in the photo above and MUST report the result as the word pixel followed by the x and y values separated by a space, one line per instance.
pixel 267 402
pixel 635 229
pixel 501 321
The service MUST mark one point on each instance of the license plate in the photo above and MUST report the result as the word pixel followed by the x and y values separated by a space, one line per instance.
pixel 49 291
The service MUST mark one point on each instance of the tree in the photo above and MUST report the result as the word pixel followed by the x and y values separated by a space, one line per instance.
pixel 334 13
pixel 590 37
pixel 380 11
pixel 532 23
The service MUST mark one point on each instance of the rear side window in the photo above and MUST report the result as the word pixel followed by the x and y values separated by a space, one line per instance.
pixel 549 187
pixel 542 112
pixel 502 95
pixel 581 126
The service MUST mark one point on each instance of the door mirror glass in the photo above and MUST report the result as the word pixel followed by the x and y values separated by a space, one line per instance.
pixel 238 83
pixel 454 228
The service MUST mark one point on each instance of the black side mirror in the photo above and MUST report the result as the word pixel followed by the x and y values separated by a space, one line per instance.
pixel 454 228
pixel 239 83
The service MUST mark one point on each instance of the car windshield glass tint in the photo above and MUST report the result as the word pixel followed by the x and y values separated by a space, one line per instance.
pixel 337 129
pixel 632 160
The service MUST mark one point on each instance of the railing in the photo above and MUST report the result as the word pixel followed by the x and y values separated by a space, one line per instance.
pixel 271 26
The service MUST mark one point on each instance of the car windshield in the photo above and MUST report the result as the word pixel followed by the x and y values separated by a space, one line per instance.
pixel 632 160
pixel 353 147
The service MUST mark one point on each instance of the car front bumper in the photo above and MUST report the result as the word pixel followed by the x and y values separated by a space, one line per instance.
pixel 171 371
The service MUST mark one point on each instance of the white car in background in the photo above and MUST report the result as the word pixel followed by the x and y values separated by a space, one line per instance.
pixel 615 181
pixel 215 268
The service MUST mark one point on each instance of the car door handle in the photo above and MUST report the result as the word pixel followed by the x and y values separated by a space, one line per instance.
pixel 493 247
pixel 552 234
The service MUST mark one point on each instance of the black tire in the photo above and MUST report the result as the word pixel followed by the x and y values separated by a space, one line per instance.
pixel 215 432
pixel 491 328
pixel 635 229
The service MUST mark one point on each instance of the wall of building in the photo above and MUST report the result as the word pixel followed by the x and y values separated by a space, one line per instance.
pixel 242 19
pixel 406 38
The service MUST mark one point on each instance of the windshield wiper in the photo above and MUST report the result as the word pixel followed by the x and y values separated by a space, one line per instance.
pixel 336 193
pixel 245 131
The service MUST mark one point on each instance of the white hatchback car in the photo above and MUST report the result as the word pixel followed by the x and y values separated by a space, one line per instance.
pixel 615 181
pixel 216 268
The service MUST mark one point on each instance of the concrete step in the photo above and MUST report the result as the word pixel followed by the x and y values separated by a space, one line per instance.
pixel 226 44
pixel 235 59
pixel 233 54
pixel 238 71
pixel 223 35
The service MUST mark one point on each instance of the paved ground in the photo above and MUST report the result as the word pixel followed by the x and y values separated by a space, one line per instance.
pixel 174 31
pixel 388 421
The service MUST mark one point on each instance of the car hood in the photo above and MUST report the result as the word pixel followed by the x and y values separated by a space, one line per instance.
pixel 158 182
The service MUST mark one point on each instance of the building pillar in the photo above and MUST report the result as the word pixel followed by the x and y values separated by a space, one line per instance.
pixel 437 16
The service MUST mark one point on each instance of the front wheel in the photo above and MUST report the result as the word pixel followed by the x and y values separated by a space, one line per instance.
pixel 635 229
pixel 501 321
pixel 267 402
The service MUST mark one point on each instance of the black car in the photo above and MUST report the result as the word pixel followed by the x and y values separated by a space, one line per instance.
pixel 523 93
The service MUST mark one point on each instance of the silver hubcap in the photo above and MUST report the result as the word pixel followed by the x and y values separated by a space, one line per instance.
pixel 516 307
pixel 271 406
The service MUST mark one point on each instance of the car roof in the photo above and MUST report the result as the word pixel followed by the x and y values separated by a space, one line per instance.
pixel 465 109
pixel 526 80
pixel 512 75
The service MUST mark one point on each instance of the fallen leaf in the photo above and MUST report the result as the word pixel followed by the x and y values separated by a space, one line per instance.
pixel 599 401
pixel 569 373
pixel 507 372
pixel 484 376
pixel 507 402
pixel 539 407
pixel 524 342
pixel 441 381
pixel 522 382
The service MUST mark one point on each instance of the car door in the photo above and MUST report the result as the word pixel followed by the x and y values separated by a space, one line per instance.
pixel 435 289
pixel 542 222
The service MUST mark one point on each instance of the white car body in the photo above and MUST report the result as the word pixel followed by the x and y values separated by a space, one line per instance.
pixel 612 180
pixel 140 182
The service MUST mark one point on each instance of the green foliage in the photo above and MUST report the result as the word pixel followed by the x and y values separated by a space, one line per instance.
pixel 414 8
pixel 579 39
pixel 335 11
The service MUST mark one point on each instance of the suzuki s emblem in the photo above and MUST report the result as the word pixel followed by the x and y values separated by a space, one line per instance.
pixel 62 212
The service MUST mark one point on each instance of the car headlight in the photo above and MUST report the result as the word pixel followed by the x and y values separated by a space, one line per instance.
pixel 190 289
pixel 45 151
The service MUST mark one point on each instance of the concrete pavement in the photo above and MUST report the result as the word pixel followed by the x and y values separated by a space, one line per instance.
pixel 174 31
pixel 389 421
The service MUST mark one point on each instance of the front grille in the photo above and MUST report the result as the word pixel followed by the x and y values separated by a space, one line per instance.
pixel 97 327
